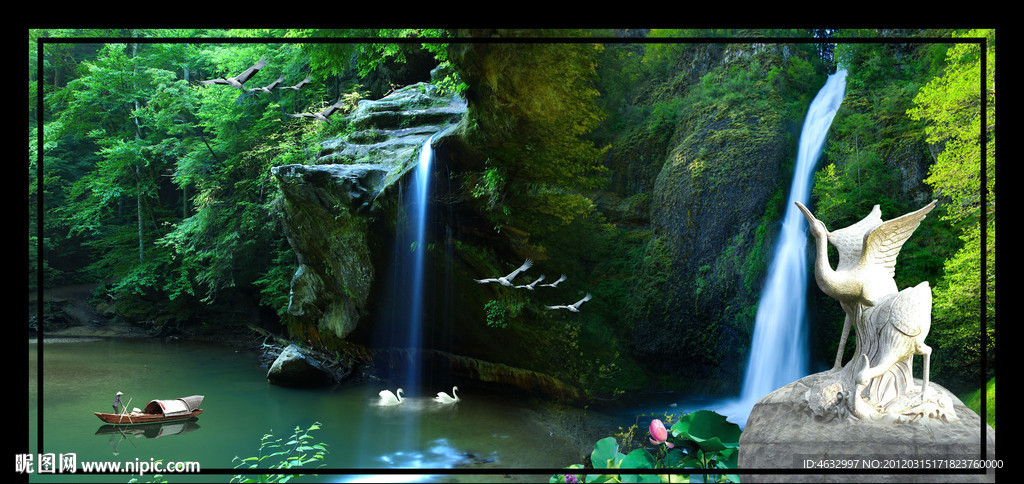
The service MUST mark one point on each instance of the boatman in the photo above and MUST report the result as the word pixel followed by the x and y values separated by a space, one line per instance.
pixel 117 402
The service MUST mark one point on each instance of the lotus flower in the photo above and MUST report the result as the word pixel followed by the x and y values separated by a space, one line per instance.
pixel 659 433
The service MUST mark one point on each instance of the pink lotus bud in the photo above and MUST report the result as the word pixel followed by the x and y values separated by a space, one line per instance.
pixel 659 433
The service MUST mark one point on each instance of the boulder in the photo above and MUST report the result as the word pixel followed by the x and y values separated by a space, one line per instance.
pixel 293 368
pixel 781 433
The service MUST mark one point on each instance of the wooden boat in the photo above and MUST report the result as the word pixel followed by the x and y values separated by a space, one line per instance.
pixel 157 411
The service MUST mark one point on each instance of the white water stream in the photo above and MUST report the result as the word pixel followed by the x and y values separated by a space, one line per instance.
pixel 778 352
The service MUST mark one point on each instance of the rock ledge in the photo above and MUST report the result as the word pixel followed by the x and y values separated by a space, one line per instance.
pixel 781 434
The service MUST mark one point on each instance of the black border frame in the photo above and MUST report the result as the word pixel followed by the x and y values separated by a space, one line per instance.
pixel 982 42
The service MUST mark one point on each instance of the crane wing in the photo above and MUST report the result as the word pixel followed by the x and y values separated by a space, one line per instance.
pixel 849 241
pixel 883 243
pixel 526 265
pixel 246 74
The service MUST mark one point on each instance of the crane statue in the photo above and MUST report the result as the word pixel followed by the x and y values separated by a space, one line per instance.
pixel 877 384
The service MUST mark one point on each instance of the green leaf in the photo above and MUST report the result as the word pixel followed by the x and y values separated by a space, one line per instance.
pixel 606 454
pixel 638 459
pixel 710 430
pixel 674 458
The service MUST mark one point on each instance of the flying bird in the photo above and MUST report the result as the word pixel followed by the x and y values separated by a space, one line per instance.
pixel 297 86
pixel 530 285
pixel 507 280
pixel 240 79
pixel 322 115
pixel 574 307
pixel 554 284
pixel 443 397
pixel 268 87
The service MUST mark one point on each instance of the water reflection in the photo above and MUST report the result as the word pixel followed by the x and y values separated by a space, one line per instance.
pixel 242 407
pixel 121 433
pixel 439 454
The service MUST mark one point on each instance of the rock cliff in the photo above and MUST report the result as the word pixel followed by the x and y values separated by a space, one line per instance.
pixel 328 203
pixel 712 168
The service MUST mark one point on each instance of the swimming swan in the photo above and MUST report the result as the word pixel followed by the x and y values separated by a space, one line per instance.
pixel 388 398
pixel 443 397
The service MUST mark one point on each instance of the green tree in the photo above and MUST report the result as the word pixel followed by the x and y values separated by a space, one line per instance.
pixel 951 107
pixel 107 107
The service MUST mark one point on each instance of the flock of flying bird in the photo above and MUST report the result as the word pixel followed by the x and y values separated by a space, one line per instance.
pixel 507 281
pixel 238 82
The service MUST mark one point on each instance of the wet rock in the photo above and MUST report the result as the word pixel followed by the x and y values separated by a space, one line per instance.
pixel 295 369
pixel 782 433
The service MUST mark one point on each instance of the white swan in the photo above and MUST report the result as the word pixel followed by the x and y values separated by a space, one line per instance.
pixel 574 307
pixel 443 397
pixel 507 280
pixel 388 398
pixel 530 285
pixel 553 284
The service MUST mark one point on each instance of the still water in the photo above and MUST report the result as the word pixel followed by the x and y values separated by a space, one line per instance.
pixel 240 407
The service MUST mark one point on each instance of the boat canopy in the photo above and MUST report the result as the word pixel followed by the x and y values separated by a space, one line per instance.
pixel 174 408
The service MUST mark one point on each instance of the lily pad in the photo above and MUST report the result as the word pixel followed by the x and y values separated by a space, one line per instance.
pixel 709 430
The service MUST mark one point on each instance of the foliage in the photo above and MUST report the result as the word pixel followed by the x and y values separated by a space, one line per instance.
pixel 298 451
pixel 541 106
pixel 973 402
pixel 500 311
pixel 161 186
pixel 701 440
pixel 951 106
pixel 908 108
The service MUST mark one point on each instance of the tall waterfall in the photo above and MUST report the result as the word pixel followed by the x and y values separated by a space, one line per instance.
pixel 403 312
pixel 417 228
pixel 778 352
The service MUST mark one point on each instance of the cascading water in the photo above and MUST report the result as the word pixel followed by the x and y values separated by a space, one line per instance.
pixel 403 306
pixel 778 352
pixel 412 241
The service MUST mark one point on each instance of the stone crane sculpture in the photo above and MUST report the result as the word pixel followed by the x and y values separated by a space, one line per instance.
pixel 890 324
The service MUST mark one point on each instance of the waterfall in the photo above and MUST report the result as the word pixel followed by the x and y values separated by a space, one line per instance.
pixel 778 352
pixel 404 309
pixel 417 215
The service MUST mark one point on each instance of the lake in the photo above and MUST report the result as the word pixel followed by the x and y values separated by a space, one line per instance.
pixel 482 431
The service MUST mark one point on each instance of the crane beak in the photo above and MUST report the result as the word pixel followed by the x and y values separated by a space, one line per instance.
pixel 811 220
pixel 807 213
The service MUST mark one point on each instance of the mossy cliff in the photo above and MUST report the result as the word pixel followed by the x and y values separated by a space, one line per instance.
pixel 713 164
pixel 330 205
